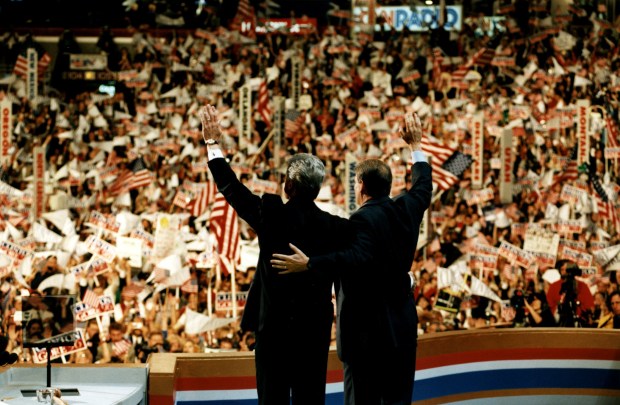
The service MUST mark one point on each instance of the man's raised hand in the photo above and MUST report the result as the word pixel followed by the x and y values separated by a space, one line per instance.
pixel 210 123
pixel 412 134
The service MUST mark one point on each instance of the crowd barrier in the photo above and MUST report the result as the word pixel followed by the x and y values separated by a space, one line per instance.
pixel 530 365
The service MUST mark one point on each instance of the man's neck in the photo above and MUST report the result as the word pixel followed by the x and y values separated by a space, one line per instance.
pixel 364 199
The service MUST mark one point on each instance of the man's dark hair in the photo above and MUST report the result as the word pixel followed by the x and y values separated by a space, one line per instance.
pixel 572 269
pixel 376 176
pixel 34 321
pixel 562 262
pixel 609 297
pixel 304 176
pixel 117 326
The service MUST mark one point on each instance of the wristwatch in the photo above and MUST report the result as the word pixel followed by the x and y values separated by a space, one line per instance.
pixel 210 142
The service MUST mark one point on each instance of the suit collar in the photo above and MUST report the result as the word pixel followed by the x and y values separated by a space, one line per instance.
pixel 376 201
pixel 302 203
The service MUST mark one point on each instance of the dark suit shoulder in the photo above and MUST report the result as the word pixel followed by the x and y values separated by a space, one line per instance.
pixel 272 201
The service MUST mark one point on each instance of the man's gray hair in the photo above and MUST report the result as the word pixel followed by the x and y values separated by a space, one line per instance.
pixel 304 176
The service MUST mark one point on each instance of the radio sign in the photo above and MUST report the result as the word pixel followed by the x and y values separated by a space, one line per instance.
pixel 418 18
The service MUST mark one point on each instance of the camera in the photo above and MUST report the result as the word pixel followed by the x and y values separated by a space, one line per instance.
pixel 572 270
pixel 567 308
pixel 568 285
pixel 518 299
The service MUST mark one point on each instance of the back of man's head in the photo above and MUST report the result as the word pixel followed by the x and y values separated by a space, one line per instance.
pixel 304 176
pixel 376 176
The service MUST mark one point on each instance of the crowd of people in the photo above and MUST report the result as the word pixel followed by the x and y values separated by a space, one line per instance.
pixel 130 167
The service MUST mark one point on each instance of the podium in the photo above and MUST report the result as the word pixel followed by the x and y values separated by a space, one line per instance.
pixel 123 384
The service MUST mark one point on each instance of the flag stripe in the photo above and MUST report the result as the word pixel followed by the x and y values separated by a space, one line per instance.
pixel 120 348
pixel 437 150
pixel 225 226
pixel 612 134
pixel 263 103
pixel 443 178
pixel 21 65
pixel 91 299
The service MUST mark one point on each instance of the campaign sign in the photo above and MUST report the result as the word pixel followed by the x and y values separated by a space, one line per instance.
pixel 83 312
pixel 223 301
pixel 100 247
pixel 53 310
pixel 75 343
pixel 105 305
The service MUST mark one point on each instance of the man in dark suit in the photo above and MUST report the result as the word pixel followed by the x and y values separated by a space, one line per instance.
pixel 377 319
pixel 292 315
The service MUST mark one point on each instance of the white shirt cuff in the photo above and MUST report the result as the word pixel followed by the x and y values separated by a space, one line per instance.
pixel 418 156
pixel 214 153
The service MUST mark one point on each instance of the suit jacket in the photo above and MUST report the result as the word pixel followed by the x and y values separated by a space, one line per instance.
pixel 375 305
pixel 276 300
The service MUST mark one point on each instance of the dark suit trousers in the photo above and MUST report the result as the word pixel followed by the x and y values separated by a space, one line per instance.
pixel 380 377
pixel 292 363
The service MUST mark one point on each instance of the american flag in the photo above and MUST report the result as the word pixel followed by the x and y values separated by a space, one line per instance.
pixel 602 207
pixel 457 163
pixel 141 176
pixel 183 198
pixel 608 211
pixel 458 76
pixel 44 62
pixel 612 134
pixel 190 286
pixel 121 347
pixel 443 178
pixel 440 154
pixel 615 219
pixel 437 150
pixel 203 198
pixel 120 184
pixel 225 226
pixel 21 65
pixel 263 103
pixel 91 299
pixel 245 12
pixel 605 205
pixel 293 120
pixel 569 171
pixel 136 176
pixel 507 272
pixel 483 57
pixel 195 197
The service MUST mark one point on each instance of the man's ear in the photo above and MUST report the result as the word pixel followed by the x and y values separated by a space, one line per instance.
pixel 363 188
